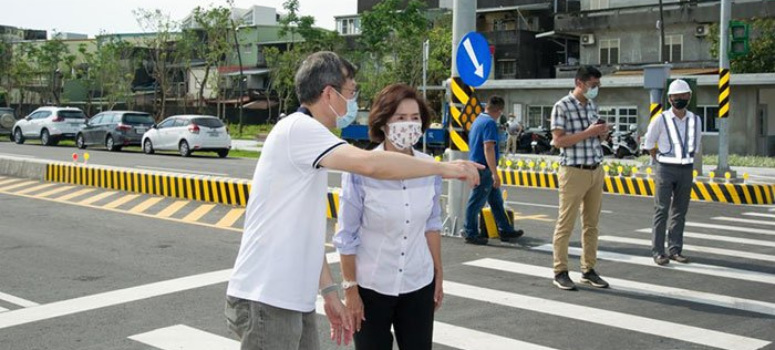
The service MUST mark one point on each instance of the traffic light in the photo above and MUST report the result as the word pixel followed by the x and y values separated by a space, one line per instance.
pixel 738 33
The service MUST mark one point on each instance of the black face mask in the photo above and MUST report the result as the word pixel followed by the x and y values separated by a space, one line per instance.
pixel 680 104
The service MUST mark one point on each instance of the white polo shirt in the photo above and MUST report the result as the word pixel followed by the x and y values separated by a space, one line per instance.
pixel 282 247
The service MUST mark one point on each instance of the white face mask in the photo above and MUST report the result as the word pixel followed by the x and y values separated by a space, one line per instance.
pixel 404 134
pixel 591 93
pixel 342 121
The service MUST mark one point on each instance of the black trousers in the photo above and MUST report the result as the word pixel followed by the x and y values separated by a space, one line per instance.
pixel 411 316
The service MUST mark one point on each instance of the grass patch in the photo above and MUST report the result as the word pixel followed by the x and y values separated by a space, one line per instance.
pixel 244 154
pixel 249 132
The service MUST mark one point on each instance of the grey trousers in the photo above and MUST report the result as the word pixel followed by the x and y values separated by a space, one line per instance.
pixel 673 193
pixel 264 327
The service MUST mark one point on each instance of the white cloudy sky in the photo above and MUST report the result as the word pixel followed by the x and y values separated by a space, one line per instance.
pixel 115 16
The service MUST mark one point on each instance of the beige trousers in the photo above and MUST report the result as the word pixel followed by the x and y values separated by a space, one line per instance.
pixel 579 189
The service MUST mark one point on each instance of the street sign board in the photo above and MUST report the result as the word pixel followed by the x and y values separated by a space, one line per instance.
pixel 474 60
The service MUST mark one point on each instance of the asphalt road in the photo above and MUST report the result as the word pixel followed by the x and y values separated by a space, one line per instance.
pixel 101 277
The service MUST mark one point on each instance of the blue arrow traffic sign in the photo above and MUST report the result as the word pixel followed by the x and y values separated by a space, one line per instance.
pixel 474 60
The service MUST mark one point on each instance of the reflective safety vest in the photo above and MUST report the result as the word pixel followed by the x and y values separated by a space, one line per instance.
pixel 681 151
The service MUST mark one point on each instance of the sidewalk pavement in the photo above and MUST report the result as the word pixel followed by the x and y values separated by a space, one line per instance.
pixel 247 145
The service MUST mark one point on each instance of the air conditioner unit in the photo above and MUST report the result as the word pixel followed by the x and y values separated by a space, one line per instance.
pixel 587 39
pixel 702 30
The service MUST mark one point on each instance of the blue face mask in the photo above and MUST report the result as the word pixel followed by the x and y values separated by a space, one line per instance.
pixel 343 121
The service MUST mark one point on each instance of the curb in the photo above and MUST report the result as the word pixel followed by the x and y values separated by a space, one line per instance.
pixel 755 194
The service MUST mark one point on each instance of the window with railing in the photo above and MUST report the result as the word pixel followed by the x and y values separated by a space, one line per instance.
pixel 506 68
pixel 609 51
pixel 620 117
pixel 673 48
pixel 539 116
pixel 708 115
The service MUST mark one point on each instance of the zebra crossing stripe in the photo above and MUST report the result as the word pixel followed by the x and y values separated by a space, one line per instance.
pixel 693 248
pixel 731 228
pixel 182 337
pixel 711 270
pixel 762 215
pixel 608 318
pixel 636 287
pixel 756 242
pixel 464 338
pixel 745 221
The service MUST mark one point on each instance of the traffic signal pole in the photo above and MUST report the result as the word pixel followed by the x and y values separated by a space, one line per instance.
pixel 724 92
pixel 463 21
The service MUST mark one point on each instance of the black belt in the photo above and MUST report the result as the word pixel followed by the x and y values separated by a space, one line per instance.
pixel 585 167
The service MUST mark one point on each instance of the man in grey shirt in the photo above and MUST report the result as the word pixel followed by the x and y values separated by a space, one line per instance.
pixel 677 133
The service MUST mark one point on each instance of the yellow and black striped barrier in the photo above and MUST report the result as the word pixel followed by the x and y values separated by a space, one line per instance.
pixel 460 124
pixel 723 93
pixel 639 186
pixel 201 188
pixel 192 187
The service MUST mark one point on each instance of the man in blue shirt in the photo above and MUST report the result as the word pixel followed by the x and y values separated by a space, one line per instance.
pixel 483 140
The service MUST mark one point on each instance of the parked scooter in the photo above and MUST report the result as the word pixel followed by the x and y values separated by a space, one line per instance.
pixel 608 145
pixel 628 143
pixel 541 141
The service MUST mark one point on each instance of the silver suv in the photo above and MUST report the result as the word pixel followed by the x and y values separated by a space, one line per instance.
pixel 50 125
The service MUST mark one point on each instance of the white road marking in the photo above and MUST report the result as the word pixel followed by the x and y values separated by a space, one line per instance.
pixel 762 215
pixel 731 228
pixel 745 221
pixel 756 242
pixel 464 338
pixel 711 270
pixel 636 287
pixel 614 319
pixel 16 300
pixel 181 337
pixel 17 155
pixel 182 171
pixel 547 206
pixel 2 309
pixel 694 248
pixel 117 297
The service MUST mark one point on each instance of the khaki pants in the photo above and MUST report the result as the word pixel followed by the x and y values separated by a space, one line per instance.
pixel 582 189
pixel 512 143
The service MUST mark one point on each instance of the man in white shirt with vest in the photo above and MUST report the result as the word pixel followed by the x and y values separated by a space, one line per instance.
pixel 672 139
pixel 281 263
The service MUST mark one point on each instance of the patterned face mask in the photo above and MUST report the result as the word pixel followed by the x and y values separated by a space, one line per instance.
pixel 404 134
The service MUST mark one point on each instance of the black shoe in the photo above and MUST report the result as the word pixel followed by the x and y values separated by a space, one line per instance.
pixel 563 281
pixel 509 236
pixel 679 258
pixel 477 240
pixel 661 260
pixel 594 279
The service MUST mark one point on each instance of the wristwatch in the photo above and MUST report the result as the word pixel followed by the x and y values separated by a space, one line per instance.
pixel 348 284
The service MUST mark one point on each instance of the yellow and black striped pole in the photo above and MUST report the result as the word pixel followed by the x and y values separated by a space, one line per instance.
pixel 463 108
pixel 723 93
pixel 656 109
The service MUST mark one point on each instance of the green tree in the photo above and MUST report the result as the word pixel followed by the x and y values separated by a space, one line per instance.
pixel 108 70
pixel 215 27
pixel 50 58
pixel 761 58
pixel 159 55
pixel 20 72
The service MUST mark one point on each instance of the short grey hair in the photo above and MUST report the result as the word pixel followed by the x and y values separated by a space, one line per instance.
pixel 319 70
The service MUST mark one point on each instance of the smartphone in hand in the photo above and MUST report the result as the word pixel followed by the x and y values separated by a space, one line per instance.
pixel 600 121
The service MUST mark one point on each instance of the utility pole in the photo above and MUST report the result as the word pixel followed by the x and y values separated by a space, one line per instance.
pixel 662 51
pixel 463 21
pixel 425 55
pixel 724 93
pixel 241 74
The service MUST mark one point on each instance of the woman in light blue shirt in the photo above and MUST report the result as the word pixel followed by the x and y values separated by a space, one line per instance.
pixel 389 235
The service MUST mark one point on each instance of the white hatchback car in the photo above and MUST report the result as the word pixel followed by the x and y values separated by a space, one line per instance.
pixel 50 125
pixel 187 134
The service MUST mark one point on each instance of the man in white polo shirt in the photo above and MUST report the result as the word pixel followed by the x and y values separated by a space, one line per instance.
pixel 281 263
